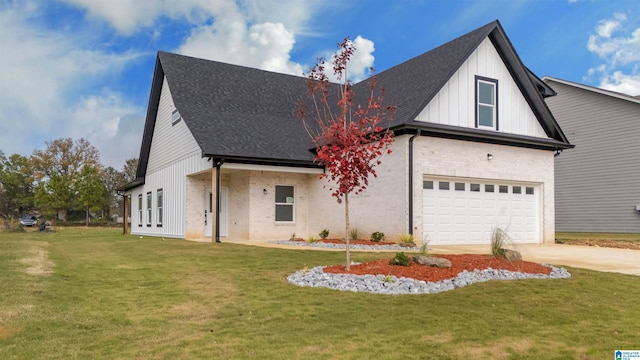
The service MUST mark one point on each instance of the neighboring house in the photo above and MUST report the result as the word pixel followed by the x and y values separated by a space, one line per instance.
pixel 224 154
pixel 597 183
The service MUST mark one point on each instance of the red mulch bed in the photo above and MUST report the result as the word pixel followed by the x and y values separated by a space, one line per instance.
pixel 459 263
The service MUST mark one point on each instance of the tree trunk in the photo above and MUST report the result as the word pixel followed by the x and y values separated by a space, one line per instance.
pixel 86 223
pixel 346 222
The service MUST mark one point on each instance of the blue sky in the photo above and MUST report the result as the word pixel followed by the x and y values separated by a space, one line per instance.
pixel 83 68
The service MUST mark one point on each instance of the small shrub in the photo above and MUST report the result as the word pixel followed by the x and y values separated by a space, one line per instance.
pixel 293 236
pixel 324 234
pixel 401 259
pixel 389 279
pixel 424 249
pixel 312 239
pixel 353 234
pixel 377 236
pixel 498 239
pixel 406 240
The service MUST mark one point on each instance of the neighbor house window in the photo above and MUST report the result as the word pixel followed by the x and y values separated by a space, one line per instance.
pixel 159 206
pixel 149 208
pixel 284 203
pixel 486 103
pixel 140 210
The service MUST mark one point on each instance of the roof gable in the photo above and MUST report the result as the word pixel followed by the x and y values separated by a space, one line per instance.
pixel 413 84
pixel 248 115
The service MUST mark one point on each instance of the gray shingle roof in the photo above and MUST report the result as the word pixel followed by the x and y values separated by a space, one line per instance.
pixel 248 115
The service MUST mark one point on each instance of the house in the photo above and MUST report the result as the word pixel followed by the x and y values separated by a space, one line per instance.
pixel 223 154
pixel 597 182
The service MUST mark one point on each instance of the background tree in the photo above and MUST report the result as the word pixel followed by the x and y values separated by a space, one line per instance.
pixel 16 185
pixel 89 189
pixel 129 170
pixel 349 138
pixel 57 169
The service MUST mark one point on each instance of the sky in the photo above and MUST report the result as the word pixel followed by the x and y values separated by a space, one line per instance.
pixel 83 68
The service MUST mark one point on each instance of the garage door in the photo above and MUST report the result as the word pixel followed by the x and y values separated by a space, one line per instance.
pixel 463 211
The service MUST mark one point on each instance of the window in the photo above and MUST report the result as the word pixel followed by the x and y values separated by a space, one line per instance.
pixel 504 189
pixel 529 190
pixel 486 103
pixel 149 209
pixel 460 186
pixel 443 185
pixel 175 117
pixel 475 187
pixel 517 190
pixel 489 188
pixel 427 184
pixel 284 203
pixel 159 205
pixel 140 210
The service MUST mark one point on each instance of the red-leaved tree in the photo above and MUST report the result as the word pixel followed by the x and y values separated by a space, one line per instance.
pixel 349 138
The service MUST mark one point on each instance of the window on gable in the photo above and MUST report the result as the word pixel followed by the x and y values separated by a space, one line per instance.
pixel 486 103
pixel 140 210
pixel 284 203
pixel 175 117
pixel 149 209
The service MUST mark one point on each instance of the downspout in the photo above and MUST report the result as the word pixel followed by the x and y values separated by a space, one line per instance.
pixel 411 180
pixel 218 163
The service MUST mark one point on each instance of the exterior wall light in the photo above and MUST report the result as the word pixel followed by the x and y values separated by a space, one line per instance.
pixel 264 191
pixel 489 156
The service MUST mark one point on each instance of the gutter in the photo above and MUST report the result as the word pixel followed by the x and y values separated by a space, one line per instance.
pixel 418 131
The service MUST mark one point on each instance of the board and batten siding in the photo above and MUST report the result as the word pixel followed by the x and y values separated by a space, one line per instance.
pixel 597 182
pixel 174 155
pixel 455 102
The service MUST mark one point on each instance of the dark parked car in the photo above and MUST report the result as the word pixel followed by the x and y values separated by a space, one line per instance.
pixel 29 220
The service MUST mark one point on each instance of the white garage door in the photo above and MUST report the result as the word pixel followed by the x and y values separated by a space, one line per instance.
pixel 463 211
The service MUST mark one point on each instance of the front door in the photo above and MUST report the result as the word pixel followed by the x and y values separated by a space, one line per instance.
pixel 210 207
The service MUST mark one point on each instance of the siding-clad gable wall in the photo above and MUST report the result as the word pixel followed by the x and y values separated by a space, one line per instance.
pixel 170 142
pixel 174 154
pixel 455 103
pixel 598 182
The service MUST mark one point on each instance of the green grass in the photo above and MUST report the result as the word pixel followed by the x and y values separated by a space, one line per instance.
pixel 92 293
pixel 597 236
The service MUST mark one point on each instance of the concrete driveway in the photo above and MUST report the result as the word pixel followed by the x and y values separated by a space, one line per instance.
pixel 587 257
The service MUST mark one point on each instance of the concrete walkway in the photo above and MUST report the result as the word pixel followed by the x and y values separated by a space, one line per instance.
pixel 587 257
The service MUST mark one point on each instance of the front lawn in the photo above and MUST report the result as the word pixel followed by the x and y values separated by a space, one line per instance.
pixel 92 293
pixel 615 240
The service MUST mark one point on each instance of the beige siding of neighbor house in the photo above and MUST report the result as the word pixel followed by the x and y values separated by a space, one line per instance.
pixel 455 103
pixel 464 159
pixel 597 182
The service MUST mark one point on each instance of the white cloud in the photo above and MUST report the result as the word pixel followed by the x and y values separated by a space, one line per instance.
pixel 44 71
pixel 56 74
pixel 619 48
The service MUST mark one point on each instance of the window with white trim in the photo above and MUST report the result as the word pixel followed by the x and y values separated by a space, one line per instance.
pixel 149 209
pixel 285 203
pixel 486 103
pixel 159 208
pixel 140 210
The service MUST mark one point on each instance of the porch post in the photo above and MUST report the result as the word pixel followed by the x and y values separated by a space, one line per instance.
pixel 215 193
